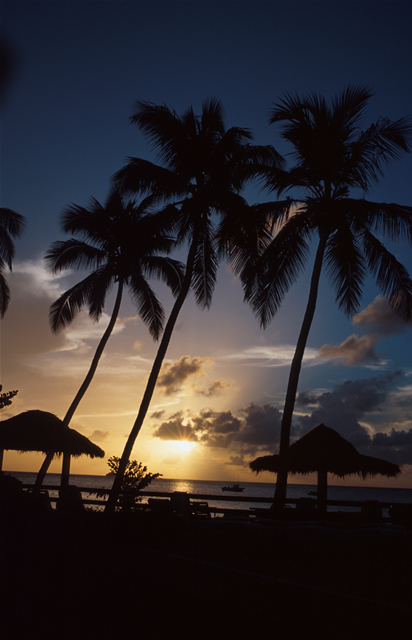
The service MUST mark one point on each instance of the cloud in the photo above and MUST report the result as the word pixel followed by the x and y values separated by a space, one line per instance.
pixel 380 320
pixel 270 356
pixel 216 388
pixel 99 436
pixel 174 375
pixel 361 411
pixel 237 461
pixel 174 429
pixel 257 426
pixel 157 415
pixel 354 350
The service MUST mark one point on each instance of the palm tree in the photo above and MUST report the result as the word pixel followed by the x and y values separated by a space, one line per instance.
pixel 203 168
pixel 332 157
pixel 11 226
pixel 121 243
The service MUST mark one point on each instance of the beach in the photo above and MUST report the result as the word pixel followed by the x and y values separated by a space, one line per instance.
pixel 86 576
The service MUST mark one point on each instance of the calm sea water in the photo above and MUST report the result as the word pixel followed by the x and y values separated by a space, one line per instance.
pixel 252 489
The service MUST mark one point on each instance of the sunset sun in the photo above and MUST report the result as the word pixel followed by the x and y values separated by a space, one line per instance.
pixel 184 446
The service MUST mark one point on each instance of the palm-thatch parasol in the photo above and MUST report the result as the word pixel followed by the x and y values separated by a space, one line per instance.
pixel 324 451
pixel 43 431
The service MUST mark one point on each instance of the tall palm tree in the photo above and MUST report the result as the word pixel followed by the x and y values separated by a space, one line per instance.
pixel 11 226
pixel 332 157
pixel 203 168
pixel 121 242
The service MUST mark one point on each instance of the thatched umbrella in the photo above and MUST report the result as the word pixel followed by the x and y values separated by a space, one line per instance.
pixel 45 432
pixel 324 451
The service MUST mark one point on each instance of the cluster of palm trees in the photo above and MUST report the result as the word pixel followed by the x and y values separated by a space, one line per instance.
pixel 193 197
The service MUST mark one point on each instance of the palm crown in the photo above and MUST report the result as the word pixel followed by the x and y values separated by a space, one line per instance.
pixel 332 156
pixel 203 168
pixel 120 242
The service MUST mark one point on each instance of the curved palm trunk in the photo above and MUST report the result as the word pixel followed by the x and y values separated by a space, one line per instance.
pixel 151 383
pixel 81 392
pixel 282 475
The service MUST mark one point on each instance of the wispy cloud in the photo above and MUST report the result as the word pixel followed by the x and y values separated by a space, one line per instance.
pixel 269 356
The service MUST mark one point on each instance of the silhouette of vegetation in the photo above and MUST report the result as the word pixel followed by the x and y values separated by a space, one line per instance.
pixel 6 397
pixel 135 480
pixel 11 226
pixel 202 172
pixel 333 156
pixel 5 401
pixel 121 242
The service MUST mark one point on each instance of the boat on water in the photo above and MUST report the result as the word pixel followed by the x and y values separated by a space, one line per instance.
pixel 233 487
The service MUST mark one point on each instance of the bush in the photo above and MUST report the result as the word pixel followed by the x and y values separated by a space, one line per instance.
pixel 135 480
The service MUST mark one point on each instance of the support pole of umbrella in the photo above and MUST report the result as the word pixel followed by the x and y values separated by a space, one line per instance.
pixel 322 492
pixel 64 482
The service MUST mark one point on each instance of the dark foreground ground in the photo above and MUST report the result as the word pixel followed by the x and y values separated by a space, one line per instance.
pixel 86 577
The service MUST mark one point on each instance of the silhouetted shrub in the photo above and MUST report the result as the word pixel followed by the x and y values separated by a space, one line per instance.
pixel 135 480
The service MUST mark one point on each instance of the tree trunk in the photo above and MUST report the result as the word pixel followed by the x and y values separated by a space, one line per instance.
pixel 81 392
pixel 282 475
pixel 43 470
pixel 154 374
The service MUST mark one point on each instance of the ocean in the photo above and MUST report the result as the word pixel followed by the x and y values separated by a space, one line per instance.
pixel 214 487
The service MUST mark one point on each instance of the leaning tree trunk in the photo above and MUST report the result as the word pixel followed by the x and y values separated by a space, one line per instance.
pixel 79 396
pixel 151 383
pixel 282 475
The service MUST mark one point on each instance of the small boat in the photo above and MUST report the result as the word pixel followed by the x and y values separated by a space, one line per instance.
pixel 234 487
pixel 312 493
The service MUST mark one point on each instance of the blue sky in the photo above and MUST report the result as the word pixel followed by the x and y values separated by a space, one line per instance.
pixel 79 68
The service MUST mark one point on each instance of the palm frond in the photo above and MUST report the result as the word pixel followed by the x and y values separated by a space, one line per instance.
pixel 142 176
pixel 346 268
pixel 4 293
pixel 244 234
pixel 377 147
pixel 392 221
pixel 64 309
pixel 391 276
pixel 12 225
pixel 278 268
pixel 72 254
pixel 348 108
pixel 213 116
pixel 162 127
pixel 11 222
pixel 171 271
pixel 149 308
pixel 100 286
pixel 7 249
pixel 205 267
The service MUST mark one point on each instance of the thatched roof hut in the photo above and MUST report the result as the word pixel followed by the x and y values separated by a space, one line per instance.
pixel 43 431
pixel 324 451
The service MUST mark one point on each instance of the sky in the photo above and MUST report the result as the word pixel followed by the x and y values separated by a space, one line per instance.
pixel 78 69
